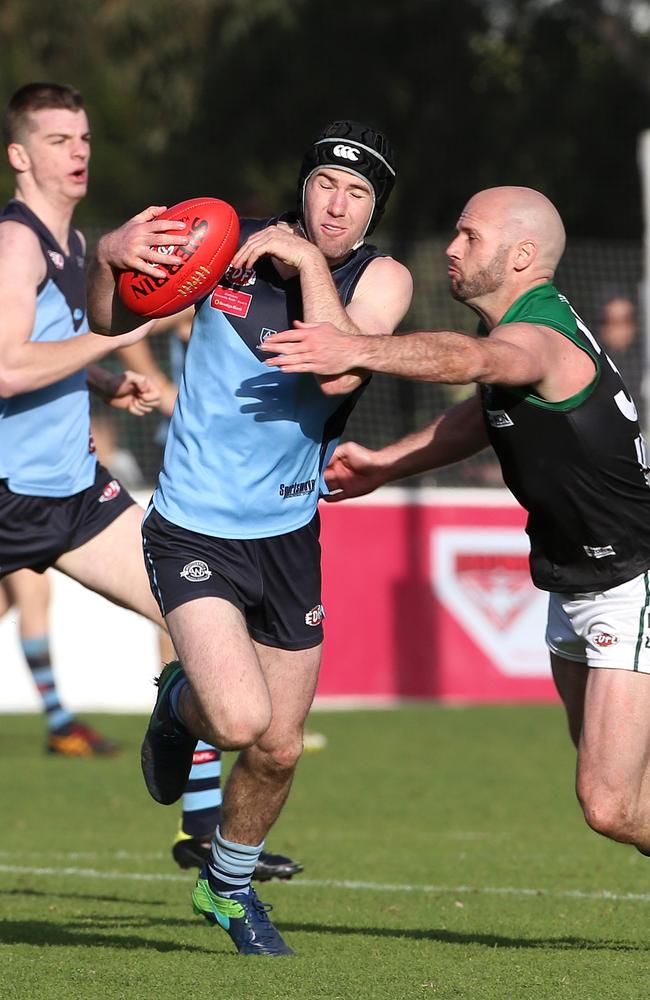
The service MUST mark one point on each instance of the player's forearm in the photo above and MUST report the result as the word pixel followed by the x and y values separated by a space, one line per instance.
pixel 106 314
pixel 100 380
pixel 320 298
pixel 340 385
pixel 30 366
pixel 455 435
pixel 452 358
pixel 321 302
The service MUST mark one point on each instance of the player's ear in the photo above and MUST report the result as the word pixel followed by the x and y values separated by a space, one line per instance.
pixel 18 157
pixel 525 255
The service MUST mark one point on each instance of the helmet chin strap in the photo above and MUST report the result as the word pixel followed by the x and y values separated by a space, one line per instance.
pixel 362 238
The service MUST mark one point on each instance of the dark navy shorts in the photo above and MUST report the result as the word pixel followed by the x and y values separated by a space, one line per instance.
pixel 36 531
pixel 275 582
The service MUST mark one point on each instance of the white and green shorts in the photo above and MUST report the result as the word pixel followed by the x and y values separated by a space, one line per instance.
pixel 603 629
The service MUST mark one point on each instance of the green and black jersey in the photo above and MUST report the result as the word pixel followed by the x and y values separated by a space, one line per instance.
pixel 578 466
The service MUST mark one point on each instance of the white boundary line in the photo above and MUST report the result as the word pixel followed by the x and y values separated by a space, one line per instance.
pixel 306 883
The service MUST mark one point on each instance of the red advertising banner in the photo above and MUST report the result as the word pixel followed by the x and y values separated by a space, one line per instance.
pixel 427 594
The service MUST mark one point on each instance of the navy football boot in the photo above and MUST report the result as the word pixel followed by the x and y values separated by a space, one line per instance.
pixel 167 751
pixel 242 916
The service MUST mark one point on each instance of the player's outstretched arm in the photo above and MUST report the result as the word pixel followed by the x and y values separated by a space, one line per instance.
pixel 134 246
pixel 456 434
pixel 516 354
pixel 140 357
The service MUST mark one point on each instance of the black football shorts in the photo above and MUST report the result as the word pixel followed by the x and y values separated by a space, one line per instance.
pixel 275 582
pixel 36 531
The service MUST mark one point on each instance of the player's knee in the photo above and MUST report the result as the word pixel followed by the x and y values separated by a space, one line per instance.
pixel 239 736
pixel 281 759
pixel 285 757
pixel 241 729
pixel 609 813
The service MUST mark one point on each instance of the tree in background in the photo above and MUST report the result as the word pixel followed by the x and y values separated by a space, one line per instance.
pixel 221 96
pixel 139 67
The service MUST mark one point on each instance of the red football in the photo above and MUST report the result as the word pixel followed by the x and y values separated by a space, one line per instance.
pixel 213 230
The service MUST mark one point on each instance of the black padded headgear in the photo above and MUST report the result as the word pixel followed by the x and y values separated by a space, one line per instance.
pixel 360 150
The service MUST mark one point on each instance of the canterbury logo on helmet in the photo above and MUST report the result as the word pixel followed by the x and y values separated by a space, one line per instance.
pixel 346 152
pixel 350 153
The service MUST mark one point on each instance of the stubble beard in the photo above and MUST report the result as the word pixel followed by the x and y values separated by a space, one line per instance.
pixel 334 251
pixel 483 282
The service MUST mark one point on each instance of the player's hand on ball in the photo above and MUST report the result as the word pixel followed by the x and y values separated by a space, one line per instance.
pixel 193 242
pixel 135 245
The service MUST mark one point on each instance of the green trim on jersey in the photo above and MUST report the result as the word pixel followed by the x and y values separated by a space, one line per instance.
pixel 642 620
pixel 564 405
pixel 545 306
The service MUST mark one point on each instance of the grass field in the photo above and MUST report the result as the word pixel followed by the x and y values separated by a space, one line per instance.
pixel 444 853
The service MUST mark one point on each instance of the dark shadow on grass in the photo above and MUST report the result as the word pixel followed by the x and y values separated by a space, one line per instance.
pixel 96 929
pixel 443 936
pixel 84 897
pixel 39 933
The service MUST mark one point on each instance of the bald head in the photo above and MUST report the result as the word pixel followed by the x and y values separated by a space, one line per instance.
pixel 522 216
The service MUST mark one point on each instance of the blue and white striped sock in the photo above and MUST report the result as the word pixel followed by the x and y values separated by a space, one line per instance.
pixel 202 797
pixel 231 866
pixel 37 654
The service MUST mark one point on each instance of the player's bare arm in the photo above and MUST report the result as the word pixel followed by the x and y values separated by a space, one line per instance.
pixel 26 365
pixel 139 357
pixel 284 242
pixel 381 299
pixel 516 354
pixel 456 434
pixel 380 302
pixel 133 246
pixel 292 253
pixel 127 390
